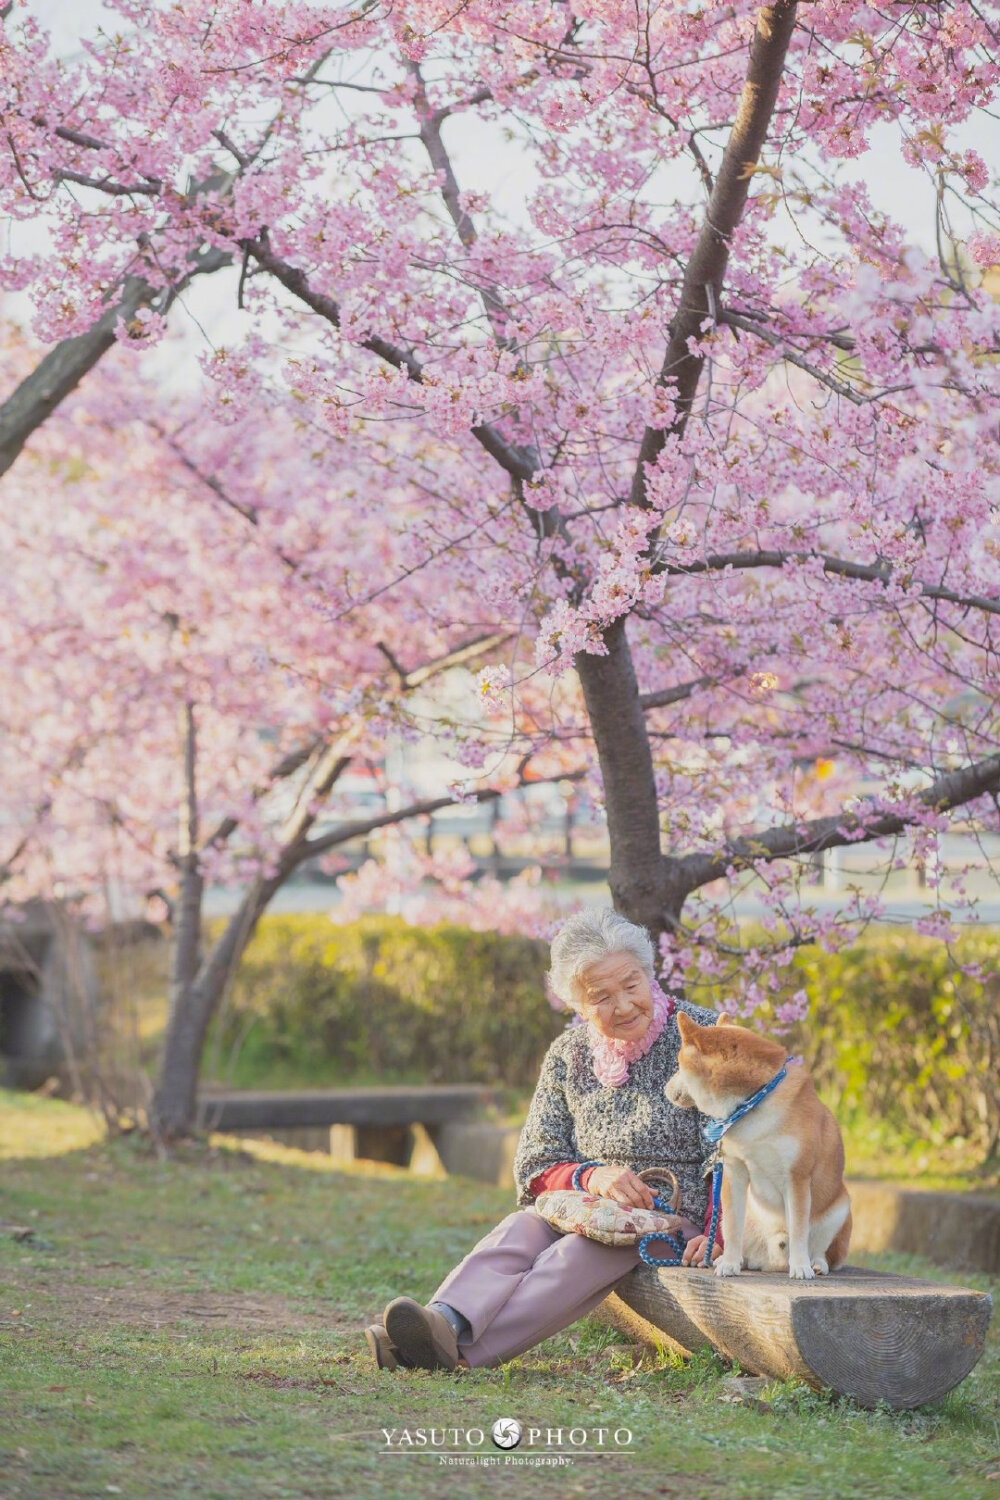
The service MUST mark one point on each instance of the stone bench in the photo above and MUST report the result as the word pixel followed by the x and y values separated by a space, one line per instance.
pixel 864 1334
pixel 400 1124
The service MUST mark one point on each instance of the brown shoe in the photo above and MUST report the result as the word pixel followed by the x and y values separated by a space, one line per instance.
pixel 383 1349
pixel 423 1338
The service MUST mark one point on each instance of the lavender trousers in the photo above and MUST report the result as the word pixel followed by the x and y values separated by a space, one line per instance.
pixel 524 1281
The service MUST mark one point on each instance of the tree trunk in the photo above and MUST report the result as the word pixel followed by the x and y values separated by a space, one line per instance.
pixel 645 886
pixel 174 1110
pixel 185 1029
pixel 638 876
pixel 174 1106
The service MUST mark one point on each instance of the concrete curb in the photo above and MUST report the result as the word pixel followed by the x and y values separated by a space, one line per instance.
pixel 961 1230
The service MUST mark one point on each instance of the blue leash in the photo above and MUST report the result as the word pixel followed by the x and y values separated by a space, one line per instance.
pixel 675 1241
pixel 716 1208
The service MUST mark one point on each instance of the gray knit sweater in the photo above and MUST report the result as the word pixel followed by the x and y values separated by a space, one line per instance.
pixel 573 1117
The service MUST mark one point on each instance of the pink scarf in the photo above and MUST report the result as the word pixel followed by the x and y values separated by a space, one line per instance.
pixel 612 1055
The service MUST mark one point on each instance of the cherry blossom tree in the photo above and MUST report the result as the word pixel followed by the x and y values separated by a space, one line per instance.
pixel 184 687
pixel 710 438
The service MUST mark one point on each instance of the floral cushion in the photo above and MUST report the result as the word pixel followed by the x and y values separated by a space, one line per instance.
pixel 573 1212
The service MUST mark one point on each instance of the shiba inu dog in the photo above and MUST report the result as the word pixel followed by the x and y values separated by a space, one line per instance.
pixel 784 1203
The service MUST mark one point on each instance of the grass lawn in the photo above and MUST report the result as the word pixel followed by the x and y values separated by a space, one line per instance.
pixel 192 1328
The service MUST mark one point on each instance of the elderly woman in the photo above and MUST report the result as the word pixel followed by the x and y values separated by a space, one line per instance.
pixel 600 1097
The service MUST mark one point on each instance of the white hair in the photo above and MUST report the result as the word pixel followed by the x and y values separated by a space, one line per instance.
pixel 585 939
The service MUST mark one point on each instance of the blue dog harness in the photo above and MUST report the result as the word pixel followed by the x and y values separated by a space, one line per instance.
pixel 716 1129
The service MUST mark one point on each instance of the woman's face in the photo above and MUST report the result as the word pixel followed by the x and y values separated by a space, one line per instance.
pixel 614 994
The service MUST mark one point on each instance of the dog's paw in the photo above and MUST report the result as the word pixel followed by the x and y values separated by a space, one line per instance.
pixel 727 1267
pixel 820 1266
pixel 801 1273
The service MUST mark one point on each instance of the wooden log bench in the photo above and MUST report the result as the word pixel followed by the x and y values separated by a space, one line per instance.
pixel 398 1124
pixel 864 1334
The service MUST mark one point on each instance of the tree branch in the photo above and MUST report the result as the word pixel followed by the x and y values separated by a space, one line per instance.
pixel 282 769
pixel 360 828
pixel 8 863
pixel 951 790
pixel 302 754
pixel 456 658
pixel 430 135
pixel 701 292
pixel 677 694
pixel 519 465
pixel 60 371
pixel 333 762
pixel 840 567
pixel 149 189
pixel 752 322
pixel 839 387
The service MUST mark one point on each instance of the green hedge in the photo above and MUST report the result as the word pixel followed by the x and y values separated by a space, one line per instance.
pixel 895 1033
pixel 378 999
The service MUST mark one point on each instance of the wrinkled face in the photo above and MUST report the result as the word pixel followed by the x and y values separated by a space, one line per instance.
pixel 615 995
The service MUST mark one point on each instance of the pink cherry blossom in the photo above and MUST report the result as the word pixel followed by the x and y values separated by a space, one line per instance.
pixel 365 400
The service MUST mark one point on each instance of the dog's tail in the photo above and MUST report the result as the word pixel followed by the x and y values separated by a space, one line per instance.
pixel 837 1253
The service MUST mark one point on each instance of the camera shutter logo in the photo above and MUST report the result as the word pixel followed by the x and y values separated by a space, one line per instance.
pixel 506 1432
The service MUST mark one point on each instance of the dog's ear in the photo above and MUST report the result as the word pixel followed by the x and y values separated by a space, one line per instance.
pixel 690 1030
pixel 725 1020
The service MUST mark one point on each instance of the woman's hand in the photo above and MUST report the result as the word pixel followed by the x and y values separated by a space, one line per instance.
pixel 621 1185
pixel 694 1251
pixel 690 1231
